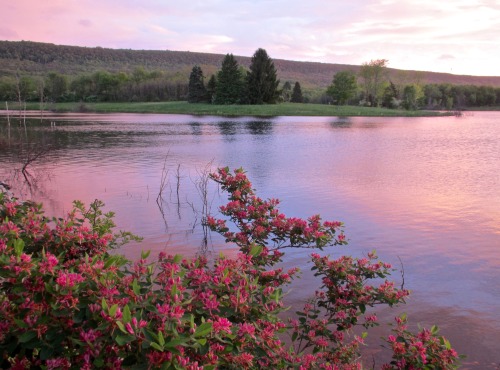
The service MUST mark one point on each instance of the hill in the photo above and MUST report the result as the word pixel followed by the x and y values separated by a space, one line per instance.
pixel 34 58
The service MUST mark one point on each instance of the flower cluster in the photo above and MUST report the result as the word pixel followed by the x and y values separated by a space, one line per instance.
pixel 66 302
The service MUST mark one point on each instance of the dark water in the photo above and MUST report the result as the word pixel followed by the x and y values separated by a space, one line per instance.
pixel 423 190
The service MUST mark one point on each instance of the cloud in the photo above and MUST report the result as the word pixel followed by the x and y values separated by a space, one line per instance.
pixel 8 33
pixel 412 34
pixel 85 23
pixel 446 56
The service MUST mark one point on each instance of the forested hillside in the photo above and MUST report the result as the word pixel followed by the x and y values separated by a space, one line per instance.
pixel 33 58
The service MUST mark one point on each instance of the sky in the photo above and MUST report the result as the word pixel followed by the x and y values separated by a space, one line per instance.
pixel 452 36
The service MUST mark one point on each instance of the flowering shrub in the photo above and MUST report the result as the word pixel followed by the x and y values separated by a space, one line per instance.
pixel 66 302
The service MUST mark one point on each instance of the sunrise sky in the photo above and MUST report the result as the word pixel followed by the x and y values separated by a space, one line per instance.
pixel 454 36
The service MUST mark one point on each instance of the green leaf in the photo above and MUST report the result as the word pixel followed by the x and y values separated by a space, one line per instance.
pixel 18 246
pixel 99 362
pixel 104 305
pixel 26 337
pixel 46 353
pixel 256 250
pixel 136 288
pixel 112 310
pixel 177 258
pixel 121 326
pixel 161 340
pixel 145 254
pixel 175 343
pixel 123 339
pixel 203 329
pixel 434 329
pixel 127 316
pixel 447 344
pixel 157 346
pixel 20 323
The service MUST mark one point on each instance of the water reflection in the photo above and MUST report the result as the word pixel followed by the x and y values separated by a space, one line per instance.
pixel 259 127
pixel 228 129
pixel 196 128
pixel 342 122
pixel 423 189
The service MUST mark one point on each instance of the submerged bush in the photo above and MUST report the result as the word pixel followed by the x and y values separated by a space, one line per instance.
pixel 66 302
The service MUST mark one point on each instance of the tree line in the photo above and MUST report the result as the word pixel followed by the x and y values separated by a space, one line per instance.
pixel 233 84
pixel 100 86
pixel 372 86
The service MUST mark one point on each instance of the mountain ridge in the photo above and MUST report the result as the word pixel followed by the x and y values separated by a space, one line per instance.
pixel 36 58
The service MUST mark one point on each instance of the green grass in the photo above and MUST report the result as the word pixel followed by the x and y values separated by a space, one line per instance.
pixel 285 109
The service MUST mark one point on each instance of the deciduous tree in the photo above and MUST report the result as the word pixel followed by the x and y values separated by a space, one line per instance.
pixel 373 76
pixel 343 87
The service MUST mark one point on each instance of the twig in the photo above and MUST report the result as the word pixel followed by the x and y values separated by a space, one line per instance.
pixel 402 273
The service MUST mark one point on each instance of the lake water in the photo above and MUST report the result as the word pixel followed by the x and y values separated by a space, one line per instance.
pixel 425 191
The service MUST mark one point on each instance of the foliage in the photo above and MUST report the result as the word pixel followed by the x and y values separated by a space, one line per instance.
pixel 297 94
pixel 230 82
pixel 390 98
pixel 410 97
pixel 211 85
pixel 56 87
pixel 36 60
pixel 373 76
pixel 286 92
pixel 343 87
pixel 262 82
pixel 425 350
pixel 66 302
pixel 197 92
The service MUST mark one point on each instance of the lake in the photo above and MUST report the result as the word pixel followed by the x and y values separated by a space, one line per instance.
pixel 423 192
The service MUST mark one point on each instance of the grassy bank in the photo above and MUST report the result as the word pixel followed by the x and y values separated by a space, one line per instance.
pixel 285 109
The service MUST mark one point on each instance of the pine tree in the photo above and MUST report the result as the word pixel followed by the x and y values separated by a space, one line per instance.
pixel 262 83
pixel 211 85
pixel 286 92
pixel 197 92
pixel 297 94
pixel 229 82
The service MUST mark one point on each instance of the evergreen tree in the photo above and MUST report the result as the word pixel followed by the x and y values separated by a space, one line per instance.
pixel 196 90
pixel 262 83
pixel 390 97
pixel 229 82
pixel 297 94
pixel 286 92
pixel 211 85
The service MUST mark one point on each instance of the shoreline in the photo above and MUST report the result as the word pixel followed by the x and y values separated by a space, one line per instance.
pixel 200 109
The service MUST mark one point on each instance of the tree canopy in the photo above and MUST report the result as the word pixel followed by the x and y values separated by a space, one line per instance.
pixel 262 82
pixel 196 90
pixel 343 87
pixel 373 75
pixel 229 85
pixel 297 94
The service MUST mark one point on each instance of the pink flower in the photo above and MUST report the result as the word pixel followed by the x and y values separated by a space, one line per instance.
pixel 221 324
pixel 68 279
pixel 246 329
